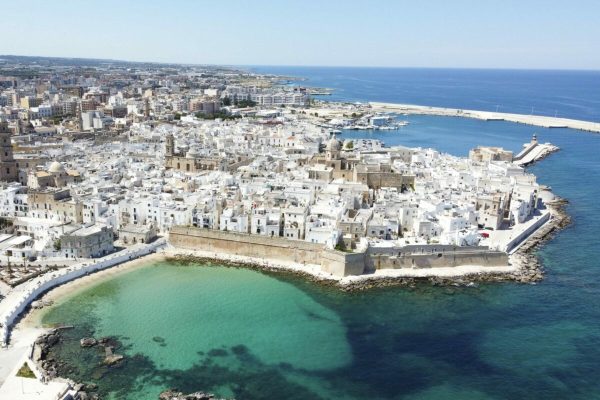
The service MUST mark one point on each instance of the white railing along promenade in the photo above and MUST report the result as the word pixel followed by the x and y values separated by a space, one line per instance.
pixel 21 296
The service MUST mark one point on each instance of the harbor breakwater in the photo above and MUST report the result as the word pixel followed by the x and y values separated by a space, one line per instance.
pixel 536 120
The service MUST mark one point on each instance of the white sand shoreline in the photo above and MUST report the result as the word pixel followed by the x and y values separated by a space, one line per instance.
pixel 67 290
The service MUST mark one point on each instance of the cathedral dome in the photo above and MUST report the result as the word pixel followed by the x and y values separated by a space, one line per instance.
pixel 333 145
pixel 193 153
pixel 56 168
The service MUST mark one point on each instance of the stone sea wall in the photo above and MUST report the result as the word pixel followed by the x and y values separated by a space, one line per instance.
pixel 269 248
pixel 515 242
pixel 437 259
pixel 335 262
pixel 245 244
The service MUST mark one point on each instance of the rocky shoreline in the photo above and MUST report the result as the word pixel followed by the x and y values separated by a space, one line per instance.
pixel 529 269
pixel 49 366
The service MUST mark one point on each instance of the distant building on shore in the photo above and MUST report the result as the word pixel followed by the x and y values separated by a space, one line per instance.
pixel 487 154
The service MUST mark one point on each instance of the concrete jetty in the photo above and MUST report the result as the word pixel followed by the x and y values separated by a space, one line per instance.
pixel 534 151
pixel 536 120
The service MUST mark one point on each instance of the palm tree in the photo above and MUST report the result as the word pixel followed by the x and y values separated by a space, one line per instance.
pixel 8 267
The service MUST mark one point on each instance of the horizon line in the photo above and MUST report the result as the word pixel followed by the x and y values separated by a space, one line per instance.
pixel 305 65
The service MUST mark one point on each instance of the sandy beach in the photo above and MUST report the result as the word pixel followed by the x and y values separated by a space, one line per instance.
pixel 63 292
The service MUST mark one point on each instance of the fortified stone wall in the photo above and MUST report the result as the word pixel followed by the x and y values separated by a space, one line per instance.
pixel 332 261
pixel 516 241
pixel 485 258
pixel 342 264
pixel 256 246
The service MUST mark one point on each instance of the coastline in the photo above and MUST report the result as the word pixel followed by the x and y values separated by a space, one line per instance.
pixel 525 256
pixel 524 265
pixel 535 120
pixel 525 268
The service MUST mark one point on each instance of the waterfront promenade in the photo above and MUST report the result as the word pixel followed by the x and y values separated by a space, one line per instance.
pixel 536 120
pixel 20 297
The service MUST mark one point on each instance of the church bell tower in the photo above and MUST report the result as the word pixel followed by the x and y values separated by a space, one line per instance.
pixel 8 168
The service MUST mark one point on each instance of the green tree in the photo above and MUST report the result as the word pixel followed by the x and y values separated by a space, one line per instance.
pixel 246 103
pixel 25 372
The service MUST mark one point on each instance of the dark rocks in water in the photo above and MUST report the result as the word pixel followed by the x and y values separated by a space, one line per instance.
pixel 49 339
pixel 218 353
pixel 88 342
pixel 84 389
pixel 111 358
pixel 174 394
pixel 47 364
pixel 158 339
pixel 89 387
pixel 82 395
pixel 52 339
pixel 105 340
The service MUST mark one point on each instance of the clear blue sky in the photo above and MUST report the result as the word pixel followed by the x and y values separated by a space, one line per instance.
pixel 561 34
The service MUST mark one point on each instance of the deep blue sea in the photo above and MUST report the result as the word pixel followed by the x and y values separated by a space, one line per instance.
pixel 298 340
pixel 569 94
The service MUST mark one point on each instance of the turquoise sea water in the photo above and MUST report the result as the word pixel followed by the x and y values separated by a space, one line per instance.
pixel 255 336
